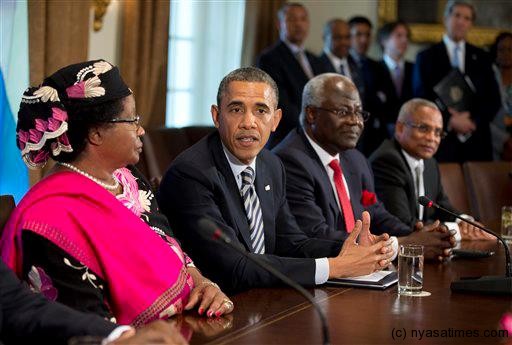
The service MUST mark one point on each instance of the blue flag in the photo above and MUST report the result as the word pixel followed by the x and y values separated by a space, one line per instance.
pixel 13 80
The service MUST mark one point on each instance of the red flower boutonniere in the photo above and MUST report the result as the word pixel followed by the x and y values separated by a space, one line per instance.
pixel 368 198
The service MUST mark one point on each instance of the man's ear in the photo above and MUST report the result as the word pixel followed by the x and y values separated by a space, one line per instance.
pixel 278 114
pixel 214 110
pixel 310 115
pixel 399 129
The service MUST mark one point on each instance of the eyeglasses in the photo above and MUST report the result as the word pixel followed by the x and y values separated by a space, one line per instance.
pixel 426 129
pixel 345 112
pixel 135 120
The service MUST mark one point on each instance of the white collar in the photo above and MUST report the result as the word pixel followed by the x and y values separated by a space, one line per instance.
pixel 236 166
pixel 294 47
pixel 412 162
pixel 392 63
pixel 325 157
pixel 334 59
pixel 450 44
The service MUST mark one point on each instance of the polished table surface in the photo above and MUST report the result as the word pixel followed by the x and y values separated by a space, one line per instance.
pixel 363 316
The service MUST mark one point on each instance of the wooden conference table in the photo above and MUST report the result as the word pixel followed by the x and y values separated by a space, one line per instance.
pixel 362 316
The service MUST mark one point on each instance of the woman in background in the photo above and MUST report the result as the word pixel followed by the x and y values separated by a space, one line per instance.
pixel 89 234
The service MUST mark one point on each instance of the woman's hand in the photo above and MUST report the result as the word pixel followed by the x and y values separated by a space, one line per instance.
pixel 208 295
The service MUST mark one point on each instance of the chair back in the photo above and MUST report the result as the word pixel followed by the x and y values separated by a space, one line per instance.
pixel 163 145
pixel 490 188
pixel 454 185
pixel 7 205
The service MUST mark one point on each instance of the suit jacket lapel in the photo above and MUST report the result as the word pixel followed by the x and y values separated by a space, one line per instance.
pixel 292 65
pixel 325 181
pixel 413 207
pixel 354 185
pixel 265 192
pixel 232 192
pixel 443 62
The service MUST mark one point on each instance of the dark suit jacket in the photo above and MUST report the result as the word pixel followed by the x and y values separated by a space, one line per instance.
pixel 393 101
pixel 27 317
pixel 278 61
pixel 200 183
pixel 432 65
pixel 395 185
pixel 311 196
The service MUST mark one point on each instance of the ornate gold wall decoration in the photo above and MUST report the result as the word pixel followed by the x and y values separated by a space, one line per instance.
pixel 100 8
pixel 430 33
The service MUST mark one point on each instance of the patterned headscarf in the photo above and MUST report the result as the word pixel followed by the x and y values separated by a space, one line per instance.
pixel 43 119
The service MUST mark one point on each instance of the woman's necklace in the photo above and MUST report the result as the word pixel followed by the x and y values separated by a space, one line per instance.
pixel 107 186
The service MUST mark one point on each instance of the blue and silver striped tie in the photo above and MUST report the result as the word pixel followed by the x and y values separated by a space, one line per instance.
pixel 253 211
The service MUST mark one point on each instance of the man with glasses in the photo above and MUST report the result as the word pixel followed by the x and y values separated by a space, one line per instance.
pixel 405 169
pixel 328 182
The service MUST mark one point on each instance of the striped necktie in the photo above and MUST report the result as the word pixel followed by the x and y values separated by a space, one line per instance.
pixel 420 187
pixel 253 211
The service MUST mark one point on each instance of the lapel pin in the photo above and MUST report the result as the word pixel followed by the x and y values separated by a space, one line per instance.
pixel 267 187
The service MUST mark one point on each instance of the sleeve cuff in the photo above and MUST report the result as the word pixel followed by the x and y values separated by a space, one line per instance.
pixel 394 246
pixel 454 226
pixel 321 271
pixel 116 333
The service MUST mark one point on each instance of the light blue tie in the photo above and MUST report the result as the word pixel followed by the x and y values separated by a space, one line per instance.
pixel 253 211
pixel 456 62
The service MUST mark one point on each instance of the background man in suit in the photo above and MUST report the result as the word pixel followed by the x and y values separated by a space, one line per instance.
pixel 404 168
pixel 468 129
pixel 328 182
pixel 290 65
pixel 336 57
pixel 28 317
pixel 394 38
pixel 368 78
pixel 229 178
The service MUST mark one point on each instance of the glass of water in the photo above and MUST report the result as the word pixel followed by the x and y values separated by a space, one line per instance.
pixel 410 270
pixel 506 222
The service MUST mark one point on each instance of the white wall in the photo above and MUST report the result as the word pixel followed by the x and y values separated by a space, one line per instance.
pixel 106 43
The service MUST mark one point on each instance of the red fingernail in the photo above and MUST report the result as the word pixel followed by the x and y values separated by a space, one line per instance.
pixel 218 313
pixel 201 310
pixel 210 313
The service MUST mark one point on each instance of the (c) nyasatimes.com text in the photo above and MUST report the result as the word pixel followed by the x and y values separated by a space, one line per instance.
pixel 418 334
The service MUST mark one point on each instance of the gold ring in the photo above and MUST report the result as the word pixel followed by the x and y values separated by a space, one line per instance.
pixel 228 303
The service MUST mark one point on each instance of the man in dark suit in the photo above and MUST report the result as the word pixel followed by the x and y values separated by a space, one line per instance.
pixel 290 65
pixel 393 38
pixel 404 168
pixel 468 129
pixel 368 77
pixel 28 317
pixel 328 182
pixel 231 179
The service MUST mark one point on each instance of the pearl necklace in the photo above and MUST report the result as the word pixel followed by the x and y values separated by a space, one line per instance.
pixel 103 184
